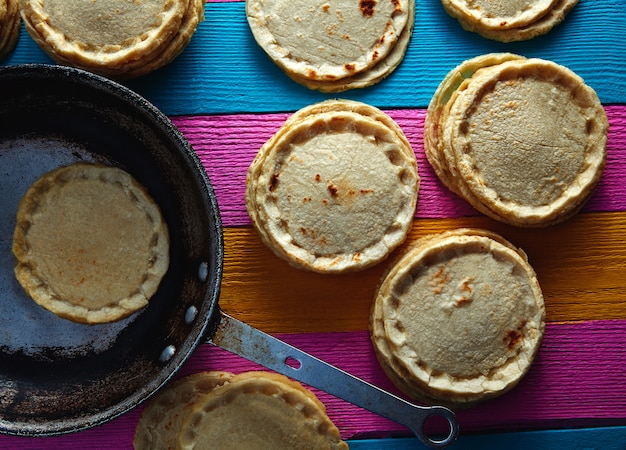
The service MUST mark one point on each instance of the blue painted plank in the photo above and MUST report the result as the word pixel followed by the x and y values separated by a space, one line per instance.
pixel 223 71
pixel 610 438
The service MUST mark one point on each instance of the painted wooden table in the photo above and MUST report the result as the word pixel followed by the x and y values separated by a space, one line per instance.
pixel 227 98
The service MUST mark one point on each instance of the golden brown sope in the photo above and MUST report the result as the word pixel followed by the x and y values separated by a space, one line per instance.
pixel 120 40
pixel 9 26
pixel 458 318
pixel 335 46
pixel 509 20
pixel 335 189
pixel 249 410
pixel 522 140
pixel 91 245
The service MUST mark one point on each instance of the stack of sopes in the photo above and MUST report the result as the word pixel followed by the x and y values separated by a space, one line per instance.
pixel 458 318
pixel 509 21
pixel 334 46
pixel 119 40
pixel 9 26
pixel 335 188
pixel 250 410
pixel 522 140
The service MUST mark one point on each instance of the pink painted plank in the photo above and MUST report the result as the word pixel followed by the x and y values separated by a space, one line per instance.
pixel 576 380
pixel 227 144
pixel 578 376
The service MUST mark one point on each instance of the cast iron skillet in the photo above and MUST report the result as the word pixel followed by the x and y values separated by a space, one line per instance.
pixel 57 376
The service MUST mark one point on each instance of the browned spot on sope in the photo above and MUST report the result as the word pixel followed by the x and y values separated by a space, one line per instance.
pixel 273 181
pixel 333 190
pixel 514 337
pixel 439 280
pixel 367 7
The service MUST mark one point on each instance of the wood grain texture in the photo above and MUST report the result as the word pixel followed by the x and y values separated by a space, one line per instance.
pixel 227 145
pixel 224 71
pixel 228 98
pixel 576 380
pixel 581 266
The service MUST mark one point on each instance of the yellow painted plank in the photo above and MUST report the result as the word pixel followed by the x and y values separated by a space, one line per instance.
pixel 581 266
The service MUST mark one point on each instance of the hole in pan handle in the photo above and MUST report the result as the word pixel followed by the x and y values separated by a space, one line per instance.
pixel 261 348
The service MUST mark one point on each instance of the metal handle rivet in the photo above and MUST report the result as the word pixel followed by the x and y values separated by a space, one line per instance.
pixel 190 314
pixel 203 271
pixel 167 353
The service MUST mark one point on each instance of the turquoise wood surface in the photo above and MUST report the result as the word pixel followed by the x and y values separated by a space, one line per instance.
pixel 223 71
pixel 610 438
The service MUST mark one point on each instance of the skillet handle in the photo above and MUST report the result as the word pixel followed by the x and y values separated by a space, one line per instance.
pixel 261 348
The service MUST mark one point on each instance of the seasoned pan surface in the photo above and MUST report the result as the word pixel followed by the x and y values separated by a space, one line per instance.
pixel 58 376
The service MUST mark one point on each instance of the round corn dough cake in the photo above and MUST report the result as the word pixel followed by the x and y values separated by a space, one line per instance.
pixel 541 26
pixel 112 38
pixel 529 140
pixel 375 74
pixel 335 189
pixel 259 410
pixel 326 41
pixel 161 420
pixel 499 14
pixel 189 23
pixel 458 318
pixel 439 106
pixel 9 26
pixel 509 21
pixel 522 140
pixel 90 243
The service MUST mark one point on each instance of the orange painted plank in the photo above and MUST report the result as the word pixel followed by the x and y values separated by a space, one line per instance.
pixel 581 266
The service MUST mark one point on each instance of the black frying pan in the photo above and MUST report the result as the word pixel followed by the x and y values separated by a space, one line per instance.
pixel 57 376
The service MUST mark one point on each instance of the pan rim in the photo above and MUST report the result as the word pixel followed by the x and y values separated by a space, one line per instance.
pixel 209 309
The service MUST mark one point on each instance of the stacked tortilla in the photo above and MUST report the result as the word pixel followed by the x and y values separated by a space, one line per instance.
pixel 458 318
pixel 115 39
pixel 509 20
pixel 250 410
pixel 9 26
pixel 335 46
pixel 335 189
pixel 522 140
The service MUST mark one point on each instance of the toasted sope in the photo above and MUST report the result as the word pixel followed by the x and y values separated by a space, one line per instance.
pixel 113 39
pixel 334 190
pixel 439 106
pixel 161 420
pixel 509 21
pixel 541 26
pixel 522 140
pixel 259 410
pixel 91 245
pixel 249 410
pixel 458 318
pixel 529 140
pixel 333 46
pixel 374 74
pixel 9 26
pixel 500 14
